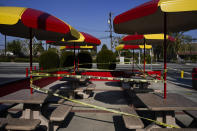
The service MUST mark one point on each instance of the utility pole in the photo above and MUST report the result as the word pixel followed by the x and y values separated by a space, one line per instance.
pixel 110 27
pixel 5 46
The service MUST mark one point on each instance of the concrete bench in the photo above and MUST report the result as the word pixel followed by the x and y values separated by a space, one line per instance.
pixel 89 87
pixel 19 124
pixel 193 114
pixel 84 92
pixel 59 114
pixel 4 108
pixel 173 129
pixel 130 121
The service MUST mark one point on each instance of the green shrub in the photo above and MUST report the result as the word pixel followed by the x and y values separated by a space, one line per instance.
pixel 148 59
pixel 67 59
pixel 19 59
pixel 84 57
pixel 106 60
pixel 6 59
pixel 49 60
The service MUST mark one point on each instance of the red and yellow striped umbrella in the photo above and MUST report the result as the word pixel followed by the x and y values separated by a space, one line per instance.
pixel 84 39
pixel 158 16
pixel 152 39
pixel 29 23
pixel 17 21
pixel 133 47
pixel 149 17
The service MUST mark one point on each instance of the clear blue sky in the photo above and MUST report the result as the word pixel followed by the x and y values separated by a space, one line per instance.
pixel 85 15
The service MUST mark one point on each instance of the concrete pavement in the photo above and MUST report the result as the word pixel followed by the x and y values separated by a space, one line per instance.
pixel 110 95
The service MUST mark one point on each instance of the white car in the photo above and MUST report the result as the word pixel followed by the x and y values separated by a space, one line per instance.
pixel 8 53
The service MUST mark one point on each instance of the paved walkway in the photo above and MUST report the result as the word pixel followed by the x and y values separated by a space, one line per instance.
pixel 111 95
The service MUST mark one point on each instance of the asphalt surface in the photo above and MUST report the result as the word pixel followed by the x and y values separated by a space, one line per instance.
pixel 10 71
pixel 173 72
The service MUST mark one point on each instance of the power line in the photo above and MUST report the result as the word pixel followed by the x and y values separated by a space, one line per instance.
pixel 89 29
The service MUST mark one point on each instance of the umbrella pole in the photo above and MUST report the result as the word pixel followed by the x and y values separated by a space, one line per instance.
pixel 133 59
pixel 74 58
pixel 5 45
pixel 144 55
pixel 78 61
pixel 139 56
pixel 30 59
pixel 151 59
pixel 165 55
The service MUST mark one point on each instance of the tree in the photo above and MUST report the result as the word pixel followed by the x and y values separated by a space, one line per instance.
pixel 53 49
pixel 117 41
pixel 104 47
pixel 180 43
pixel 93 53
pixel 15 47
pixel 173 47
pixel 106 60
pixel 37 48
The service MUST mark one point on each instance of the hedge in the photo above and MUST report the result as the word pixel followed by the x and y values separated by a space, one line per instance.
pixel 67 59
pixel 85 57
pixel 49 60
pixel 106 60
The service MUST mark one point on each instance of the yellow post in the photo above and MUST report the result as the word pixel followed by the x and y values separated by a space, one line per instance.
pixel 182 74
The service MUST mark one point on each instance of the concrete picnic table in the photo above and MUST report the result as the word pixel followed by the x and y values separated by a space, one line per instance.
pixel 164 109
pixel 75 84
pixel 32 103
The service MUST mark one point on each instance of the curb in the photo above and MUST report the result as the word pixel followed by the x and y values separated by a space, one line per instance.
pixel 13 81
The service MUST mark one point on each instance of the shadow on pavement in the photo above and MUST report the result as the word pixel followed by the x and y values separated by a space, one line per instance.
pixel 113 83
pixel 111 97
pixel 119 124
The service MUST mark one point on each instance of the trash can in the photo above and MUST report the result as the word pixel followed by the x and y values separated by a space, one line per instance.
pixel 194 78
